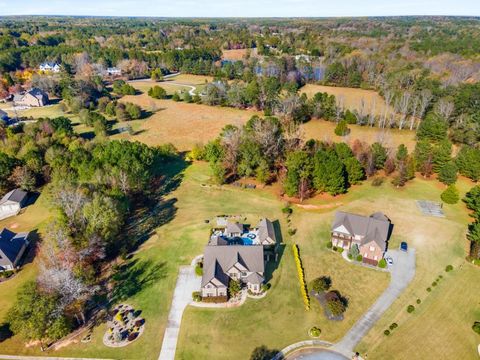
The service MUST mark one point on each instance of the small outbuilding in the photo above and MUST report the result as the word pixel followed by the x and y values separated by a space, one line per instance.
pixel 12 203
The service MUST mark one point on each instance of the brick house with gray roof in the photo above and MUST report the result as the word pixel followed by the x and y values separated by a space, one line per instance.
pixel 369 233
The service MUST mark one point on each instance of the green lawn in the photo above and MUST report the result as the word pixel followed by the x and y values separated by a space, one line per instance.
pixel 280 319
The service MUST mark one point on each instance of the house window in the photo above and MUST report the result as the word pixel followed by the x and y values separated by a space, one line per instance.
pixel 375 257
pixel 365 255
pixel 244 273
pixel 372 248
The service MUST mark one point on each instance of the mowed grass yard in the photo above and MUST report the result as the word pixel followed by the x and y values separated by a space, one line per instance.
pixel 325 130
pixel 440 327
pixel 31 219
pixel 352 97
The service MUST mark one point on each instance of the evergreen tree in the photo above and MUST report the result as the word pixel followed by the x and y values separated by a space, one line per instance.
pixel 299 172
pixel 468 162
pixel 442 154
pixel 379 154
pixel 342 129
pixel 354 170
pixel 329 173
pixel 450 195
pixel 448 173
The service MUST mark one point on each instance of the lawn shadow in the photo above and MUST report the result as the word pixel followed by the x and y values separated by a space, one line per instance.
pixel 31 251
pixel 264 353
pixel 5 332
pixel 87 135
pixel 135 276
pixel 153 210
pixel 272 266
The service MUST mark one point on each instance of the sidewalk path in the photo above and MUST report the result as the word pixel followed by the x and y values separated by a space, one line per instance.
pixel 187 283
pixel 402 272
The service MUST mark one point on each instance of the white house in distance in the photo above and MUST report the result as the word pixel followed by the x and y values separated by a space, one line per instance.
pixel 50 67
pixel 113 71
pixel 12 203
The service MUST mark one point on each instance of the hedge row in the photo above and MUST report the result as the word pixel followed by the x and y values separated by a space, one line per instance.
pixel 301 276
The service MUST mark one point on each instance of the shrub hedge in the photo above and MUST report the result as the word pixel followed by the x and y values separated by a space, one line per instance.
pixel 301 276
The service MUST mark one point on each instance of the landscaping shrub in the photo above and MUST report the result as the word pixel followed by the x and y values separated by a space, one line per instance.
pixel 334 248
pixel 199 269
pixel 292 232
pixel 322 283
pixel 387 332
pixel 287 210
pixel 157 92
pixel 336 307
pixel 419 301
pixel 476 327
pixel 6 274
pixel 234 287
pixel 410 309
pixel 265 287
pixel 350 256
pixel 393 326
pixel 429 289
pixel 301 276
pixel 340 250
pixel 378 181
pixel 448 268
pixel 359 257
pixel 315 331
pixel 215 299
pixel 450 195
pixel 342 129
pixel 176 96
pixel 329 245
pixel 132 336
pixel 382 264
pixel 434 283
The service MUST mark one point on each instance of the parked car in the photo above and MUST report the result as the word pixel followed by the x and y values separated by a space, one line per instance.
pixel 404 246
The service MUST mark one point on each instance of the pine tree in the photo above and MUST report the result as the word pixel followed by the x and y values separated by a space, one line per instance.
pixel 448 173
pixel 442 154
pixel 450 195
pixel 354 170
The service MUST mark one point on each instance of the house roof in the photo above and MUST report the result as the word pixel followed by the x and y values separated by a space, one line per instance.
pixel 374 227
pixel 266 232
pixel 255 278
pixel 16 195
pixel 36 92
pixel 234 227
pixel 10 245
pixel 218 260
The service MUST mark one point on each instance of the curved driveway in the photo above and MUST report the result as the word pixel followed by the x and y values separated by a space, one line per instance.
pixel 402 273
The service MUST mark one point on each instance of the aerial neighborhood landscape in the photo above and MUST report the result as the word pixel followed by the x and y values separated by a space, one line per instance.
pixel 274 186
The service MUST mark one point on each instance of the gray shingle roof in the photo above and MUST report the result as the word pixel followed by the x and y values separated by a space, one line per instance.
pixel 16 195
pixel 266 232
pixel 374 227
pixel 234 227
pixel 10 245
pixel 218 260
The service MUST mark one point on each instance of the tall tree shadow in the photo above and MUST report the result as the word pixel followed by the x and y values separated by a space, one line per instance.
pixel 154 210
pixel 5 332
pixel 135 276
pixel 272 266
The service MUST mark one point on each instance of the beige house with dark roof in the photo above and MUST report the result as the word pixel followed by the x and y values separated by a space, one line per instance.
pixel 236 262
pixel 369 233
pixel 237 252
pixel 32 98
pixel 12 202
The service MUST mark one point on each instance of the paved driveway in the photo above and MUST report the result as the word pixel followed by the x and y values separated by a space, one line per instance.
pixel 187 282
pixel 402 273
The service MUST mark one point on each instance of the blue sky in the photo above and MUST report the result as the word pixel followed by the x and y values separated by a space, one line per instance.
pixel 238 8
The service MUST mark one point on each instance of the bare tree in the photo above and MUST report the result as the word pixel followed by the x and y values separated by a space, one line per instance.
pixel 444 108
pixel 402 106
pixel 71 201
